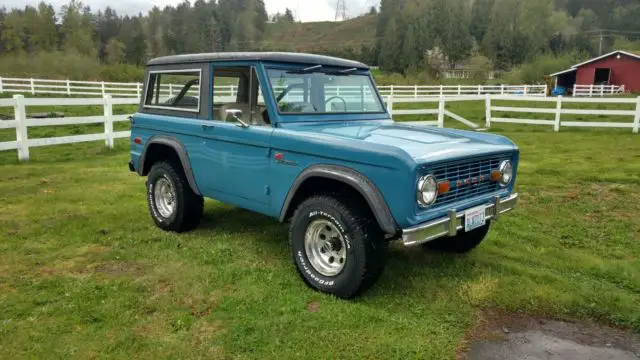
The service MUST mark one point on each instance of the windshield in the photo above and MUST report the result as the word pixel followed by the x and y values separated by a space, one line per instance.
pixel 316 91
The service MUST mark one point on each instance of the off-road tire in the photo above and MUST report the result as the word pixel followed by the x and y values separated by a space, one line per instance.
pixel 188 205
pixel 462 243
pixel 365 243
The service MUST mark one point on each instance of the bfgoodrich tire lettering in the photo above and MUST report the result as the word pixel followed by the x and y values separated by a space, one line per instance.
pixel 365 246
pixel 187 207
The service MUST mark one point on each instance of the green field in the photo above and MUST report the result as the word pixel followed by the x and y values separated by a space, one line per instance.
pixel 85 274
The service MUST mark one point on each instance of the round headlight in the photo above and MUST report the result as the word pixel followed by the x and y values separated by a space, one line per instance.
pixel 427 190
pixel 506 173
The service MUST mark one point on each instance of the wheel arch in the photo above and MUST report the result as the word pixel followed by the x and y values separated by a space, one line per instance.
pixel 163 147
pixel 347 177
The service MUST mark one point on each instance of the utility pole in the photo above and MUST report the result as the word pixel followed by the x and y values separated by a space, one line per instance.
pixel 341 10
pixel 601 40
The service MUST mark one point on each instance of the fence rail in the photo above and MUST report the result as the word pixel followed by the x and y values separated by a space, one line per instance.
pixel 597 90
pixel 21 122
pixel 420 91
pixel 118 89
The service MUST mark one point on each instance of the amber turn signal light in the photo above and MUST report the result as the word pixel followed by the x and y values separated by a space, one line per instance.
pixel 496 175
pixel 443 187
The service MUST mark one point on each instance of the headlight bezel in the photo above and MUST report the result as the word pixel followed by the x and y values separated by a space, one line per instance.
pixel 427 184
pixel 506 168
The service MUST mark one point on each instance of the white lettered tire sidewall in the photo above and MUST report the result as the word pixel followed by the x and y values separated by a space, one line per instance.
pixel 163 171
pixel 355 254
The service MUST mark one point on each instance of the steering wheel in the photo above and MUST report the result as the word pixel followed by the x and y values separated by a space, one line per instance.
pixel 339 98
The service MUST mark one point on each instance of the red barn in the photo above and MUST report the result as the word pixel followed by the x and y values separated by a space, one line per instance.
pixel 616 68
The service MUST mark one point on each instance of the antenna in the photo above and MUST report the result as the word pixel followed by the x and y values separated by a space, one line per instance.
pixel 341 10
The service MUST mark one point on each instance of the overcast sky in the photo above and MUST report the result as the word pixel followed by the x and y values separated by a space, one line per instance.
pixel 305 10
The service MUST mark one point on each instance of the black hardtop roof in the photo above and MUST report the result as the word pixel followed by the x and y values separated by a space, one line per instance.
pixel 299 58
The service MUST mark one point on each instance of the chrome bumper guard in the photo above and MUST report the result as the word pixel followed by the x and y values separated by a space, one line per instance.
pixel 450 225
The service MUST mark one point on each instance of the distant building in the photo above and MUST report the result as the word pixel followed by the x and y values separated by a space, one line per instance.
pixel 618 68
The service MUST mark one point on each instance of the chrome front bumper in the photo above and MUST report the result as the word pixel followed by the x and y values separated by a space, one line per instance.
pixel 449 226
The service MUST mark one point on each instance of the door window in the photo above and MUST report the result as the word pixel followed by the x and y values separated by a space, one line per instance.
pixel 237 93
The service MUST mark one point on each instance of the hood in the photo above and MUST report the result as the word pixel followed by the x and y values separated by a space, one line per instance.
pixel 422 143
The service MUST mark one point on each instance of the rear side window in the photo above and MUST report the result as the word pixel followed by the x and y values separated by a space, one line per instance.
pixel 174 90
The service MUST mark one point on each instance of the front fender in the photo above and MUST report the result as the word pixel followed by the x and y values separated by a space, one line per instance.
pixel 356 180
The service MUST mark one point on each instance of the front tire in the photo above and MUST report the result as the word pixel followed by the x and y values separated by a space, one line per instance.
pixel 336 248
pixel 462 243
pixel 172 204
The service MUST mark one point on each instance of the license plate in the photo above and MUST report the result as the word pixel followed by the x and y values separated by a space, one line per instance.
pixel 474 218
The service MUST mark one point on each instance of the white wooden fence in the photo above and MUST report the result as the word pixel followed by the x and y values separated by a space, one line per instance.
pixel 420 91
pixel 556 110
pixel 116 89
pixel 21 122
pixel 597 90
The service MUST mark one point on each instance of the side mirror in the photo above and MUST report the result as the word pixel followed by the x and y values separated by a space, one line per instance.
pixel 236 114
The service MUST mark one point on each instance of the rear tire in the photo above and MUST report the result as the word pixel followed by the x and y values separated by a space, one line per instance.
pixel 336 248
pixel 462 243
pixel 172 204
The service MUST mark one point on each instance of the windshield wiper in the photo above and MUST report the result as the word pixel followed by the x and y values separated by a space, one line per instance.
pixel 348 71
pixel 305 70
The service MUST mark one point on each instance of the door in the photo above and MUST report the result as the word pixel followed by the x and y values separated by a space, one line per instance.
pixel 235 162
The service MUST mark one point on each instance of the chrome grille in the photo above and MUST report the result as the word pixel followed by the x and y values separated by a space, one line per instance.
pixel 468 178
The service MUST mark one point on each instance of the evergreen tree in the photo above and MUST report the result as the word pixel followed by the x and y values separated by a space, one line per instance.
pixel 390 49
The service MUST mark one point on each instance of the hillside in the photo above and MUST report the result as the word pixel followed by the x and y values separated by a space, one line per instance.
pixel 321 35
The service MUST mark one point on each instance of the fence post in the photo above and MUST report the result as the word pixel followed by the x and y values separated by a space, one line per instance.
pixel 138 86
pixel 390 106
pixel 391 90
pixel 108 122
pixel 170 89
pixel 68 87
pixel 1 90
pixel 556 125
pixel 636 120
pixel 441 90
pixel 591 90
pixel 479 90
pixel 502 89
pixel 441 105
pixel 415 91
pixel 526 90
pixel 20 115
pixel 459 89
pixel 575 87
pixel 33 88
pixel 487 105
pixel 102 88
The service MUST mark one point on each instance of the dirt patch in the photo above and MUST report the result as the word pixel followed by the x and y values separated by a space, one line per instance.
pixel 313 306
pixel 118 269
pixel 499 335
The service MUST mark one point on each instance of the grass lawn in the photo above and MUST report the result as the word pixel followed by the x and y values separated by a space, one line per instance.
pixel 84 273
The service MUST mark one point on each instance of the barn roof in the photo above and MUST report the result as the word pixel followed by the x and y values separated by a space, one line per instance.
pixel 576 66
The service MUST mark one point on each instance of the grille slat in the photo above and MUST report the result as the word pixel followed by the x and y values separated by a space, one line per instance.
pixel 467 178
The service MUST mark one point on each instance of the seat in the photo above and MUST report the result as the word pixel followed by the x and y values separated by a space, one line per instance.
pixel 256 119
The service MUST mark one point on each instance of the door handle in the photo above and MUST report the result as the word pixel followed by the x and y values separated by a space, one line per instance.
pixel 207 125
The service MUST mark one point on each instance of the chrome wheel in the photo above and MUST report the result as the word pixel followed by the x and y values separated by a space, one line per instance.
pixel 325 247
pixel 165 197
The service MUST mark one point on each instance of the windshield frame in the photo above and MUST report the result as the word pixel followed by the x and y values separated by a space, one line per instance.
pixel 326 116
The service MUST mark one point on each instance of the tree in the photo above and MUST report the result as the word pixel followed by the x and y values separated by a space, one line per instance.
pixel 77 28
pixel 480 18
pixel 480 68
pixel 114 52
pixel 390 49
pixel 13 34
pixel 410 53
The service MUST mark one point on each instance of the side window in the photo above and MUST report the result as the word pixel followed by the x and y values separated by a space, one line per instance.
pixel 174 90
pixel 237 93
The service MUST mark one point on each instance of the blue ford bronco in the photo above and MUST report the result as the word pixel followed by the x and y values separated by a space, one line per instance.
pixel 307 139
